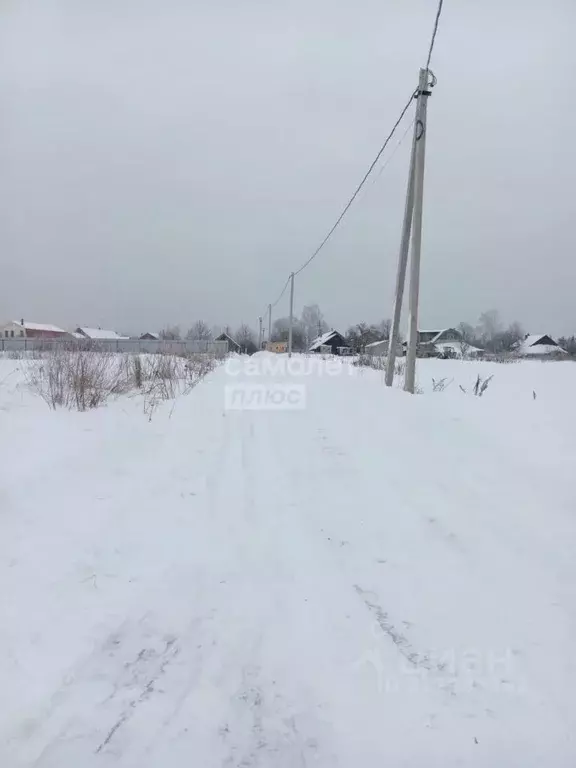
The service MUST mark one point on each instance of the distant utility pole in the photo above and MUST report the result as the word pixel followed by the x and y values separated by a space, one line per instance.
pixel 291 314
pixel 269 322
pixel 260 332
pixel 412 224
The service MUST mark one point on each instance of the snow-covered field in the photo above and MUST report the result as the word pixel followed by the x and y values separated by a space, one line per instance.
pixel 355 578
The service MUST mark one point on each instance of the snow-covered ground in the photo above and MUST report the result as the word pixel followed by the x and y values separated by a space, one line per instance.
pixel 356 577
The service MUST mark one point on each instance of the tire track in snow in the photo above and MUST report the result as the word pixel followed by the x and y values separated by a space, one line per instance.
pixel 416 659
pixel 267 729
pixel 105 691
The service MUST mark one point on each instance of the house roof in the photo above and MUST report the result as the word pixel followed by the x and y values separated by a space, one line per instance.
pixel 39 326
pixel 226 337
pixel 100 333
pixel 535 338
pixel 437 334
pixel 537 344
pixel 324 339
pixel 151 333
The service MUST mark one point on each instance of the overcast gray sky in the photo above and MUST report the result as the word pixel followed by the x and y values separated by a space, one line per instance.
pixel 168 160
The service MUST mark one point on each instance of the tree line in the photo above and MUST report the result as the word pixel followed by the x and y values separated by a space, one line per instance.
pixel 305 329
pixel 489 333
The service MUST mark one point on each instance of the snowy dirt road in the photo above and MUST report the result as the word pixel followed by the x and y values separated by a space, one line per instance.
pixel 237 588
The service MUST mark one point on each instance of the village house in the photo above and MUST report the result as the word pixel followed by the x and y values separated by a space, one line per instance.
pixel 377 348
pixel 443 343
pixel 276 346
pixel 330 343
pixel 539 345
pixel 98 334
pixel 22 329
pixel 447 342
pixel 233 346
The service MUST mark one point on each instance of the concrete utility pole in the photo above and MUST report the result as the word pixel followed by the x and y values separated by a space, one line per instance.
pixel 291 314
pixel 420 136
pixel 394 338
pixel 269 322
pixel 260 332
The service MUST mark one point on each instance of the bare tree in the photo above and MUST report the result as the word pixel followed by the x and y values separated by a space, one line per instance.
pixel 386 327
pixel 199 331
pixel 568 343
pixel 467 333
pixel 246 338
pixel 361 334
pixel 312 323
pixel 507 340
pixel 280 332
pixel 489 325
pixel 170 333
pixel 467 338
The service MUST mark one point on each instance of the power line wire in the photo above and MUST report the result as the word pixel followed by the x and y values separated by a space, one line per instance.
pixel 374 162
pixel 396 148
pixel 358 188
pixel 382 148
pixel 282 292
pixel 384 166
pixel 433 40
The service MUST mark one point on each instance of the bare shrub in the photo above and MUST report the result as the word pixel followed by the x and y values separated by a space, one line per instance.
pixel 22 354
pixel 94 377
pixel 501 357
pixel 481 385
pixel 85 379
pixel 197 367
pixel 379 363
pixel 399 367
pixel 376 362
pixel 162 380
pixel 167 376
pixel 48 379
pixel 363 361
pixel 439 385
pixel 137 371
pixel 76 379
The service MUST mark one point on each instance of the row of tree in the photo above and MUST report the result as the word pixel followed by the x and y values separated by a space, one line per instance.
pixel 568 343
pixel 305 329
pixel 489 333
pixel 199 331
